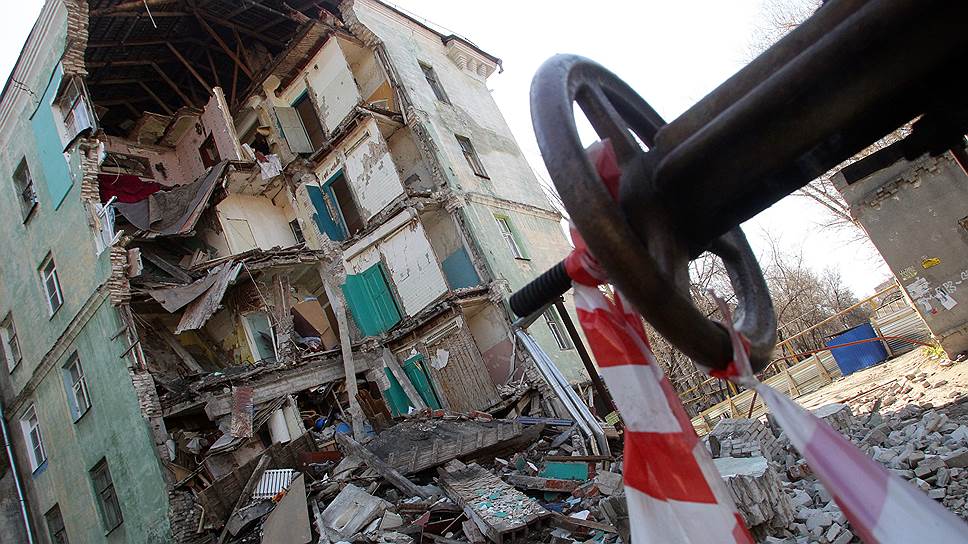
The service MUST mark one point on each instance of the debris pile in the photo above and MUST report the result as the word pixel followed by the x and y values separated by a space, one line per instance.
pixel 432 476
pixel 924 445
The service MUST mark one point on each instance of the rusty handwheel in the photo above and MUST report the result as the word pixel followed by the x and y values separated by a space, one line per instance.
pixel 637 243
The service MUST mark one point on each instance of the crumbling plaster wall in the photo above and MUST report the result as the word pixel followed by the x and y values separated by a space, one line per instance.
pixel 267 222
pixel 493 337
pixel 510 188
pixel 402 245
pixel 365 160
pixel 328 77
pixel 916 216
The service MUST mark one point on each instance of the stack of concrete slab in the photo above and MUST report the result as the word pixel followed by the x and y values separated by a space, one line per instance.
pixel 838 415
pixel 757 491
pixel 744 438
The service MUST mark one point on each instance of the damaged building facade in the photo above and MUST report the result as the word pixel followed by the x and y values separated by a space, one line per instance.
pixel 228 223
pixel 896 201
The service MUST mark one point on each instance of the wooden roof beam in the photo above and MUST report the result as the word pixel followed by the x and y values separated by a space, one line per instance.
pixel 241 29
pixel 173 85
pixel 191 69
pixel 221 42
pixel 161 103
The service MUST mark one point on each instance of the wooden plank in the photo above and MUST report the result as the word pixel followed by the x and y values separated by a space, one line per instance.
pixel 483 495
pixel 412 395
pixel 225 47
pixel 346 349
pixel 246 493
pixel 537 483
pixel 174 86
pixel 157 99
pixel 391 475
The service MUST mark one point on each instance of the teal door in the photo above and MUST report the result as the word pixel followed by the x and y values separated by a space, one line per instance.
pixel 370 301
pixel 415 370
pixel 329 225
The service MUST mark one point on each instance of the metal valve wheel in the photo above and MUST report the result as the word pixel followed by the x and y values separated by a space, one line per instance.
pixel 637 242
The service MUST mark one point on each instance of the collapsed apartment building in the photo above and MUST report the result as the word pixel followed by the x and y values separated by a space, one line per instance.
pixel 233 222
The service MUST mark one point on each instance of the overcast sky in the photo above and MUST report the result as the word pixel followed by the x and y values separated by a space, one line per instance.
pixel 670 52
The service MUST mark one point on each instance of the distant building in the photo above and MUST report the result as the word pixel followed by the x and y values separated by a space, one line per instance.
pixel 217 211
pixel 916 215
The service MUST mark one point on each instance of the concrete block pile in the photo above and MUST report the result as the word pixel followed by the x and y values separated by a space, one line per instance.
pixel 924 445
pixel 744 438
pixel 757 491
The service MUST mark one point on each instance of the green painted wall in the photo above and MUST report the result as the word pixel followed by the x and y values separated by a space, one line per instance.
pixel 114 427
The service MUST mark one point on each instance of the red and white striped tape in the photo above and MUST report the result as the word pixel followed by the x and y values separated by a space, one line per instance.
pixel 675 493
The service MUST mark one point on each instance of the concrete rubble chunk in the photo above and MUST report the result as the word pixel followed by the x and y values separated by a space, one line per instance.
pixel 351 511
pixel 744 438
pixel 757 491
pixel 838 415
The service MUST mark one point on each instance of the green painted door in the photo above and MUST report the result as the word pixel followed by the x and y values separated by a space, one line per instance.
pixel 370 301
pixel 328 225
pixel 415 370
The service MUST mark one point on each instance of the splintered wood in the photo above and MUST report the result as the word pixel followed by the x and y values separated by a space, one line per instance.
pixel 416 445
pixel 501 512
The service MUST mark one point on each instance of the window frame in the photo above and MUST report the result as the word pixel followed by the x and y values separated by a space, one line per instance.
pixel 8 334
pixel 59 536
pixel 28 429
pixel 557 328
pixel 72 387
pixel 471 156
pixel 44 277
pixel 296 104
pixel 21 186
pixel 101 474
pixel 430 75
pixel 509 233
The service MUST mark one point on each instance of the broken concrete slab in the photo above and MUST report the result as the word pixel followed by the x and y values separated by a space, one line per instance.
pixel 757 492
pixel 499 511
pixel 289 522
pixel 350 512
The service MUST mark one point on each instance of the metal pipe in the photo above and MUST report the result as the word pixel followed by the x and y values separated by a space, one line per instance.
pixel 8 445
pixel 856 83
pixel 597 383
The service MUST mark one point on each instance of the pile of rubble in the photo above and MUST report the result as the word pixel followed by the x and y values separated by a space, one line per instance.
pixel 446 477
pixel 781 500
pixel 442 477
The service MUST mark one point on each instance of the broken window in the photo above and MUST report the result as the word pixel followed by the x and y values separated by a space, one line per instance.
pixel 337 215
pixel 78 399
pixel 106 497
pixel 557 329
pixel 55 526
pixel 509 235
pixel 209 152
pixel 11 344
pixel 30 426
pixel 24 184
pixel 75 108
pixel 48 276
pixel 258 332
pixel 297 232
pixel 431 76
pixel 471 156
pixel 104 237
pixel 310 120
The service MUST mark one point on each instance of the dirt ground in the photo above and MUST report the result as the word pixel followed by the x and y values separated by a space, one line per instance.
pixel 939 382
